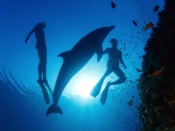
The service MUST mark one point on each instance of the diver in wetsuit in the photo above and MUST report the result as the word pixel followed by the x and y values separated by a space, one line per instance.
pixel 114 58
pixel 42 51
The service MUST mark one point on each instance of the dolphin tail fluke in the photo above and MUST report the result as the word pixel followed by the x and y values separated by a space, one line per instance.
pixel 54 109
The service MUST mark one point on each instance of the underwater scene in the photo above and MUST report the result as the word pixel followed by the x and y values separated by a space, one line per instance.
pixel 96 65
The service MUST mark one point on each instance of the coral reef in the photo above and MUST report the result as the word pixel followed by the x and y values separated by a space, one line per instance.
pixel 157 92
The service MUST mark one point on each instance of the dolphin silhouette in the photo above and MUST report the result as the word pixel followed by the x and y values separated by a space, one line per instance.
pixel 75 59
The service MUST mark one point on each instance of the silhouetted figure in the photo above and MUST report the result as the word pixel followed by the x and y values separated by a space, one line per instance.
pixel 114 58
pixel 42 51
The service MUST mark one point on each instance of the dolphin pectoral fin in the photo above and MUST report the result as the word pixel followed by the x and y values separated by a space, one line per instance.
pixel 54 109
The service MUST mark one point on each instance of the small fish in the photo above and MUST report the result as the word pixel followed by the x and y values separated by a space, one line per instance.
pixel 130 103
pixel 134 22
pixel 156 73
pixel 149 26
pixel 138 70
pixel 113 5
pixel 156 8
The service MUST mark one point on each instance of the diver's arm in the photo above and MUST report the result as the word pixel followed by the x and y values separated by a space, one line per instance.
pixel 121 60
pixel 29 35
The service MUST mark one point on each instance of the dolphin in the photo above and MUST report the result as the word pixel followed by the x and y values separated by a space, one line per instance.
pixel 75 59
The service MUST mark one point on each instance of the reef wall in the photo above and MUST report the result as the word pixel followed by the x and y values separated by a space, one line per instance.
pixel 157 82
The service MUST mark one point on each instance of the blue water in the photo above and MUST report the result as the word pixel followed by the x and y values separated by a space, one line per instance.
pixel 22 106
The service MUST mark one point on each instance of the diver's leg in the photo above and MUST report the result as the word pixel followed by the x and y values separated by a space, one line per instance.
pixel 44 59
pixel 45 79
pixel 44 69
pixel 39 72
pixel 39 66
pixel 95 91
pixel 44 72
pixel 121 79
pixel 121 76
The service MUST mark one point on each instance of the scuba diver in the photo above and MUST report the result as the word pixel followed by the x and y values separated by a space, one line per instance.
pixel 42 51
pixel 114 58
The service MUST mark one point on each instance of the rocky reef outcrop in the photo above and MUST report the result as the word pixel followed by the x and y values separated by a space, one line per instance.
pixel 157 82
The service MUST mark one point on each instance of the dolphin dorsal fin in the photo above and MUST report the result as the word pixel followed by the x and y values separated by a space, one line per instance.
pixel 65 54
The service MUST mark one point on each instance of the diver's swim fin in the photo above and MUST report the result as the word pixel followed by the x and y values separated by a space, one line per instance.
pixel 54 109
pixel 44 91
pixel 104 94
pixel 95 91
pixel 48 86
